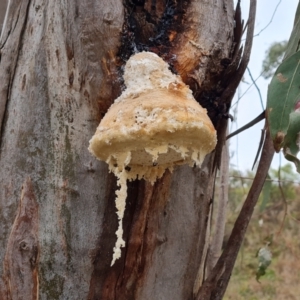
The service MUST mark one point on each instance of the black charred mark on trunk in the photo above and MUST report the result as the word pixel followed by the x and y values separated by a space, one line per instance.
pixel 151 25
pixel 69 51
pixel 23 81
pixel 212 101
pixel 71 78
pixel 211 98
pixel 57 54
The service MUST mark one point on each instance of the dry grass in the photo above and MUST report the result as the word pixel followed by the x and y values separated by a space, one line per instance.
pixel 282 278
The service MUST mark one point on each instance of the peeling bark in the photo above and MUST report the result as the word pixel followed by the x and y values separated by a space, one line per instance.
pixel 20 273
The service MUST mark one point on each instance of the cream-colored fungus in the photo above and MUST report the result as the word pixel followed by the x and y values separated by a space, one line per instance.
pixel 154 125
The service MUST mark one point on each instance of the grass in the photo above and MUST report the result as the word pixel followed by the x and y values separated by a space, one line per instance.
pixel 282 278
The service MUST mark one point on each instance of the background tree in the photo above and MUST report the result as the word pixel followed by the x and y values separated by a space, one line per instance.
pixel 61 66
pixel 274 56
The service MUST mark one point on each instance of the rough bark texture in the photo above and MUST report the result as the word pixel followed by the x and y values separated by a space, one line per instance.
pixel 3 5
pixel 21 258
pixel 60 70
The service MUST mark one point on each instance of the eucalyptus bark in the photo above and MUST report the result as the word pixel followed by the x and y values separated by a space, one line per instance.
pixel 60 69
pixel 3 5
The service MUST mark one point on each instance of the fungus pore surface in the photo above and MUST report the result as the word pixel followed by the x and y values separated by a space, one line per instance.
pixel 155 125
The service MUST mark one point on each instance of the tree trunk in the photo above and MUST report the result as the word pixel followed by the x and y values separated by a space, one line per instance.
pixel 60 70
pixel 3 5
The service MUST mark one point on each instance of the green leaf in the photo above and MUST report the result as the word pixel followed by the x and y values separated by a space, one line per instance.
pixel 293 44
pixel 292 139
pixel 283 100
pixel 283 94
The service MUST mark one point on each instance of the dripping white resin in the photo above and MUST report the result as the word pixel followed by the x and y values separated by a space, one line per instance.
pixel 154 125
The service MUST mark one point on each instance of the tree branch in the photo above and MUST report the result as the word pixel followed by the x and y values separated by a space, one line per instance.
pixel 230 90
pixel 257 88
pixel 274 12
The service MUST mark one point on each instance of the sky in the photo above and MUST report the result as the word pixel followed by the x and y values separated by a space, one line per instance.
pixel 244 146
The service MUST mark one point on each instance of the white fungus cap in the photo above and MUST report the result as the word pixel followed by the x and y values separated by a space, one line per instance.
pixel 154 125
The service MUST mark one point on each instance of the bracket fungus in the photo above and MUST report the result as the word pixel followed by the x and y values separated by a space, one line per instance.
pixel 154 125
